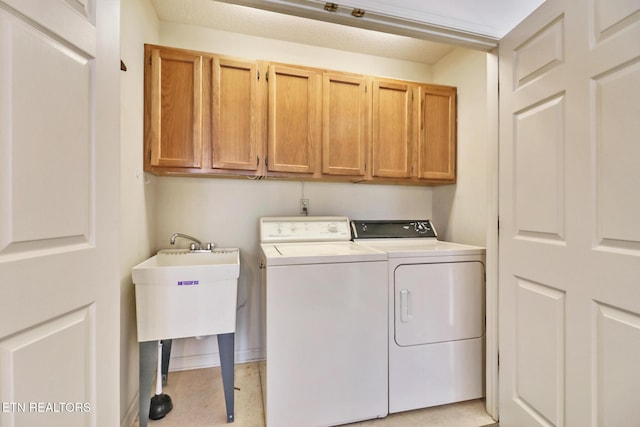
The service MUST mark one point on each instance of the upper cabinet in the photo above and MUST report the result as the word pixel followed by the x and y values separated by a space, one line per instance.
pixel 236 141
pixel 214 115
pixel 203 114
pixel 294 119
pixel 346 102
pixel 436 147
pixel 173 108
pixel 392 142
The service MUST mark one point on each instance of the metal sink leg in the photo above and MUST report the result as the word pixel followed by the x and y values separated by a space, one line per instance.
pixel 226 345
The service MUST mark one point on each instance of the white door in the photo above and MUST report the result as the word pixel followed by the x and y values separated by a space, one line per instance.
pixel 59 195
pixel 570 216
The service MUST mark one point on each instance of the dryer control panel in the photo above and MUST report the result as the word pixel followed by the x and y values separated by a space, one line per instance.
pixel 392 229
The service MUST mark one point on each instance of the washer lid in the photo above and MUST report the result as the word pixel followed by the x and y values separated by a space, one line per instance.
pixel 319 253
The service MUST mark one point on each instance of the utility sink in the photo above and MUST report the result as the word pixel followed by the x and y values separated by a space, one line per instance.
pixel 182 293
pixel 181 265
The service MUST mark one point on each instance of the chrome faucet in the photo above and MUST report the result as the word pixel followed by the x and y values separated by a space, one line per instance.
pixel 195 246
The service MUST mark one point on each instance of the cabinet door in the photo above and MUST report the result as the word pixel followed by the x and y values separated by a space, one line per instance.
pixel 392 135
pixel 174 108
pixel 345 130
pixel 235 142
pixel 437 133
pixel 294 119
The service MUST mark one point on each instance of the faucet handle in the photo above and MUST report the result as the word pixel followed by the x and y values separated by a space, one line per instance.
pixel 209 246
pixel 193 247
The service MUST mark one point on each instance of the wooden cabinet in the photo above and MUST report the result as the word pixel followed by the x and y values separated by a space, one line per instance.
pixel 173 108
pixel 203 114
pixel 294 119
pixel 346 101
pixel 214 115
pixel 236 131
pixel 392 141
pixel 436 146
pixel 414 132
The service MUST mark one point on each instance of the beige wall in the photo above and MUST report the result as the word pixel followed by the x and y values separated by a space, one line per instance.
pixel 251 47
pixel 137 227
pixel 459 211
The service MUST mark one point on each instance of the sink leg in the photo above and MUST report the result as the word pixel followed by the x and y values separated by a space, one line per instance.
pixel 226 344
pixel 148 360
pixel 166 355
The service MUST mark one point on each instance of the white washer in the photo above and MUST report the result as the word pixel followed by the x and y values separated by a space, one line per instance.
pixel 325 324
pixel 436 314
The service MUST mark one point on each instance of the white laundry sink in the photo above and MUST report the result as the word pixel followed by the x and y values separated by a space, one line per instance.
pixel 180 265
pixel 180 293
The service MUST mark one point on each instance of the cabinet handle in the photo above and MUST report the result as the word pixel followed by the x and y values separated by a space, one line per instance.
pixel 406 311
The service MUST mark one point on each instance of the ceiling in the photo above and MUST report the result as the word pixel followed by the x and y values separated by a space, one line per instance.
pixel 414 30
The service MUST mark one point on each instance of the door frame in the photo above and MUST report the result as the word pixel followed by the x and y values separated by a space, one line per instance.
pixel 492 260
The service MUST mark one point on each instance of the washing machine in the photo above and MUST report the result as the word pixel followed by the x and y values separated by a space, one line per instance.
pixel 436 313
pixel 325 324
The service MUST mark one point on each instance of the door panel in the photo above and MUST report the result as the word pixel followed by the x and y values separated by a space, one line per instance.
pixel 539 352
pixel 616 156
pixel 539 54
pixel 436 146
pixel 614 329
pixel 295 105
pixel 539 198
pixel 30 121
pixel 59 191
pixel 438 302
pixel 235 142
pixel 569 236
pixel 392 140
pixel 175 109
pixel 345 129
pixel 34 384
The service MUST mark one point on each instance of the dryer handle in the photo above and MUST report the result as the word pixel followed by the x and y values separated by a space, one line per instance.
pixel 406 306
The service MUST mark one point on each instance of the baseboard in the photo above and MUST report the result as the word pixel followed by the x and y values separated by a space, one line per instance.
pixel 132 412
pixel 209 360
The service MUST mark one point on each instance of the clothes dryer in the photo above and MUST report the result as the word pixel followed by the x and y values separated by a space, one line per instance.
pixel 436 313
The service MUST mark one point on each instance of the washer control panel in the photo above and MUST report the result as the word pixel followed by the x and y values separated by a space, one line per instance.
pixel 304 229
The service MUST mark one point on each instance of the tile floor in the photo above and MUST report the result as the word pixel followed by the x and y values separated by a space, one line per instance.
pixel 198 401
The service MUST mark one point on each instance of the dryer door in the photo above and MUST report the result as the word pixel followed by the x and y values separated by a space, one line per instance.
pixel 438 302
